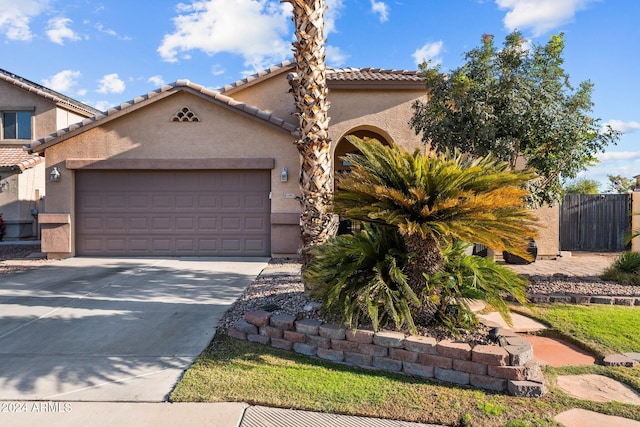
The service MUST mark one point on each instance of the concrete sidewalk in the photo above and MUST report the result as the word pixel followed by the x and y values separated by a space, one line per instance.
pixel 108 414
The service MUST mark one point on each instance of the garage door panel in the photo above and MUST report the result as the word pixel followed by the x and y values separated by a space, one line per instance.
pixel 118 224
pixel 165 213
pixel 136 201
pixel 186 201
pixel 207 201
pixel 232 201
pixel 185 225
pixel 231 224
pixel 162 201
pixel 255 224
pixel 207 224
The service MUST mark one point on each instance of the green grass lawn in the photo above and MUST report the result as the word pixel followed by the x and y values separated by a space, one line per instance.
pixel 232 370
pixel 602 329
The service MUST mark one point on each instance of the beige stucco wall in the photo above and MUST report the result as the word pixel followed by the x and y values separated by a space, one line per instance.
pixel 45 115
pixel 385 111
pixel 271 95
pixel 149 133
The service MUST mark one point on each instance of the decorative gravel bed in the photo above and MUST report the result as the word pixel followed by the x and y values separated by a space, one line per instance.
pixel 14 258
pixel 283 293
pixel 585 286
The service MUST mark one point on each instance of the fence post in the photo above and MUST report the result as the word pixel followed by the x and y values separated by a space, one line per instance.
pixel 635 220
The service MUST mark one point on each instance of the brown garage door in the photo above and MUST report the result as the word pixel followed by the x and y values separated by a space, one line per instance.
pixel 173 213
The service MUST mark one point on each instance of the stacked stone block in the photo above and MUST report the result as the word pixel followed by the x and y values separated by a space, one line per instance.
pixel 508 367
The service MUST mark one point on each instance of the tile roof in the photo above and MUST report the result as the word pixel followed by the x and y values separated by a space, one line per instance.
pixel 373 74
pixel 371 77
pixel 16 159
pixel 215 96
pixel 259 76
pixel 58 98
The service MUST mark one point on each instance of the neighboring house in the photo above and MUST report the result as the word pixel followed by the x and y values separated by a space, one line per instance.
pixel 188 171
pixel 28 111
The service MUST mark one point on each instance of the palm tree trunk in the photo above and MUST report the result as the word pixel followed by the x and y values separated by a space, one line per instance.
pixel 309 87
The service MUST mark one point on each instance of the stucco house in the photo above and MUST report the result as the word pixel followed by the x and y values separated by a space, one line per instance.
pixel 28 111
pixel 188 171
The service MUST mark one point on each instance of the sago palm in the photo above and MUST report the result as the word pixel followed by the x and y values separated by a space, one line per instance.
pixel 435 198
pixel 359 278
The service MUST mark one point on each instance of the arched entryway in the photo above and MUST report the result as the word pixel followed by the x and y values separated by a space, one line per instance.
pixel 341 165
pixel 344 147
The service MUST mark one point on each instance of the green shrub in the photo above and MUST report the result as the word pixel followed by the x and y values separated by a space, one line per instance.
pixel 625 269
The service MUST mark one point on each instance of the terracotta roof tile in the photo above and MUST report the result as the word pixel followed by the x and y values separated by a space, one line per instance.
pixel 47 93
pixel 360 75
pixel 16 159
pixel 373 74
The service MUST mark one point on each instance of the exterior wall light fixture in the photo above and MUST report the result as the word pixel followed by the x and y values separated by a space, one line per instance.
pixel 54 175
pixel 284 174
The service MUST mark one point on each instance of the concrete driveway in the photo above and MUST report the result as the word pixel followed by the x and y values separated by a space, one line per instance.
pixel 105 329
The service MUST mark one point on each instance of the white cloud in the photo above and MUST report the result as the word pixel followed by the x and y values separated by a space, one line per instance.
pixel 111 83
pixel 381 9
pixel 63 81
pixel 539 15
pixel 621 126
pixel 58 30
pixel 110 32
pixel 15 17
pixel 104 30
pixel 217 70
pixel 335 57
pixel 429 52
pixel 331 15
pixel 255 29
pixel 156 80
pixel 619 155
pixel 623 163
pixel 102 105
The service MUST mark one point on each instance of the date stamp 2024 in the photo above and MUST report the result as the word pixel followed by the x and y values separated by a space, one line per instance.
pixel 35 407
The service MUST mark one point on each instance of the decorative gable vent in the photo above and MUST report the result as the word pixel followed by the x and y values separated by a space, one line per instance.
pixel 185 115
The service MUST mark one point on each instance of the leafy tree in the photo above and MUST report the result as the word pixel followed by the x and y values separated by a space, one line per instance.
pixel 517 103
pixel 582 186
pixel 620 184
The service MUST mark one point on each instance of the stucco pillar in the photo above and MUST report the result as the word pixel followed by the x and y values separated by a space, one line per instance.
pixel 548 239
pixel 55 235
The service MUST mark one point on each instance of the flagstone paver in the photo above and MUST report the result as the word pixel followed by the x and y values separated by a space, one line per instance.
pixel 584 418
pixel 598 388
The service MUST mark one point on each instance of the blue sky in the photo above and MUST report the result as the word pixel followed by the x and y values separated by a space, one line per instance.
pixel 105 53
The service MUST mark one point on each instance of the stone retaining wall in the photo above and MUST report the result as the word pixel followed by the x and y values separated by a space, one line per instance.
pixel 508 367
pixel 585 299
